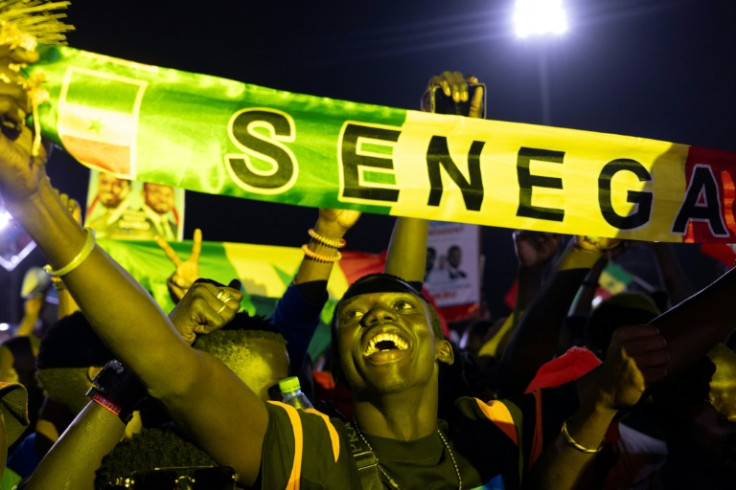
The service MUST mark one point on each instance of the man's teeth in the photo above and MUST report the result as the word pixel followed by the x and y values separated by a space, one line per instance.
pixel 391 340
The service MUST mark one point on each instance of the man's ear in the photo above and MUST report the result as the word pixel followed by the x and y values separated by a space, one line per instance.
pixel 445 353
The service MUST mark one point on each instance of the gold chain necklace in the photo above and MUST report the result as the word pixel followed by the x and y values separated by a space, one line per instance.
pixel 391 481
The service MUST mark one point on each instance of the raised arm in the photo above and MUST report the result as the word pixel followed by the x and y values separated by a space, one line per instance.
pixel 638 357
pixel 193 385
pixel 67 305
pixel 297 314
pixel 535 340
pixel 675 280
pixel 72 460
pixel 407 249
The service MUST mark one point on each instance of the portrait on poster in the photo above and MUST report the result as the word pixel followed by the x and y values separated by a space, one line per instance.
pixel 452 269
pixel 129 210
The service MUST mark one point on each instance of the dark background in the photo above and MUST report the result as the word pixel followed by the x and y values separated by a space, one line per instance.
pixel 661 69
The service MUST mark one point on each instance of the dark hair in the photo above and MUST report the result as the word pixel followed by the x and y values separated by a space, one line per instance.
pixel 151 448
pixel 71 342
pixel 228 343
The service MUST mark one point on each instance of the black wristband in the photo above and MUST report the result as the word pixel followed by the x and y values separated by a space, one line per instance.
pixel 118 389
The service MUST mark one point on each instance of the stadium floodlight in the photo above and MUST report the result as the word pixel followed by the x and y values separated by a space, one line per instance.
pixel 4 219
pixel 539 17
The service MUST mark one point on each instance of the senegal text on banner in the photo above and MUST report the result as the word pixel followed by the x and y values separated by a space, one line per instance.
pixel 223 137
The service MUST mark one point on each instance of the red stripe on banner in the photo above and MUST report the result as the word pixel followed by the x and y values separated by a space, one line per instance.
pixel 722 166
pixel 98 154
pixel 729 196
pixel 719 251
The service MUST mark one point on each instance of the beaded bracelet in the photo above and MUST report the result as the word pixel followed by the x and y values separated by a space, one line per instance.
pixel 89 244
pixel 326 241
pixel 319 257
pixel 572 442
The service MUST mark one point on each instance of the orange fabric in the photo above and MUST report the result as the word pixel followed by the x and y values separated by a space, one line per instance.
pixel 537 441
pixel 334 439
pixel 499 414
pixel 296 424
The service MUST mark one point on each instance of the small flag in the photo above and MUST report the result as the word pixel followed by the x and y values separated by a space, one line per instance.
pixel 98 130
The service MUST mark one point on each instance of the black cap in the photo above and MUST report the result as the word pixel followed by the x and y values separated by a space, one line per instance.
pixel 381 283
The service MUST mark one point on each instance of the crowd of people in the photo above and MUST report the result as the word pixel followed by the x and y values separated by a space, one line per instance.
pixel 636 393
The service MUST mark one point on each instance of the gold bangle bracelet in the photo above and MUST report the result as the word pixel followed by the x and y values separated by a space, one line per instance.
pixel 89 244
pixel 319 257
pixel 572 442
pixel 326 241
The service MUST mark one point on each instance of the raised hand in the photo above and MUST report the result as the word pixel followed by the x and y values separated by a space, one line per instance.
pixel 205 307
pixel 334 223
pixel 637 357
pixel 454 84
pixel 187 271
pixel 20 172
pixel 72 206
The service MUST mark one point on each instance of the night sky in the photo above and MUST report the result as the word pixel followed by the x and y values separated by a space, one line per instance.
pixel 661 69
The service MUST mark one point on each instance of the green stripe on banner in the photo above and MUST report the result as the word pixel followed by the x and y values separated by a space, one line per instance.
pixel 262 269
pixel 219 136
pixel 146 262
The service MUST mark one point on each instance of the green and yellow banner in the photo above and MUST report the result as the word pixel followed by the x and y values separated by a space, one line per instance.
pixel 219 136
pixel 265 272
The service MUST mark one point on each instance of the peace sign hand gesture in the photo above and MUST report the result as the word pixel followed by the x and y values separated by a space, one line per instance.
pixel 187 271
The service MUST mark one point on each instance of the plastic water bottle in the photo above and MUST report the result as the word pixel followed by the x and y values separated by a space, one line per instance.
pixel 291 393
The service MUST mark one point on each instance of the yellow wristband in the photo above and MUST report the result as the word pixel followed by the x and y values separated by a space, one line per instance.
pixel 89 244
pixel 572 442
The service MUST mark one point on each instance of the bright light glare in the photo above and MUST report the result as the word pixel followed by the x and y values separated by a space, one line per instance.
pixel 4 219
pixel 538 17
pixel 4 327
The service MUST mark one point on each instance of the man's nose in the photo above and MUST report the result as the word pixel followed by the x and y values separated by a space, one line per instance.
pixel 379 313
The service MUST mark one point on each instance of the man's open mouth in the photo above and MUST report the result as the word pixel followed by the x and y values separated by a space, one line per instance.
pixel 385 341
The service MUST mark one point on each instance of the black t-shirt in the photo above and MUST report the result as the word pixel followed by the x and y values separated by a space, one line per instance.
pixel 487 440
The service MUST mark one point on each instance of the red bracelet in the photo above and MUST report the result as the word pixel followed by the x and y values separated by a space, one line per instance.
pixel 105 403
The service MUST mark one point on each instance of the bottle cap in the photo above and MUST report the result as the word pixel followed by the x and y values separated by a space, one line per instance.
pixel 289 384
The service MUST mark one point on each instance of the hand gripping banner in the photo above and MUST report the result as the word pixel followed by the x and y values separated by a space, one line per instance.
pixel 219 136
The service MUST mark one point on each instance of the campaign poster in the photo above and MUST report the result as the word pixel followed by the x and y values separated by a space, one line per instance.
pixel 129 210
pixel 452 275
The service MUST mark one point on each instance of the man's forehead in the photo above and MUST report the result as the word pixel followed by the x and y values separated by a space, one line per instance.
pixel 379 295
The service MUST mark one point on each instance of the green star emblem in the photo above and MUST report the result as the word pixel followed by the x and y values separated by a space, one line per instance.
pixel 95 125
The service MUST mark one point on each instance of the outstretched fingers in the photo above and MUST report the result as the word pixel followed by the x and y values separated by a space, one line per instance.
pixel 453 84
pixel 170 252
pixel 196 245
